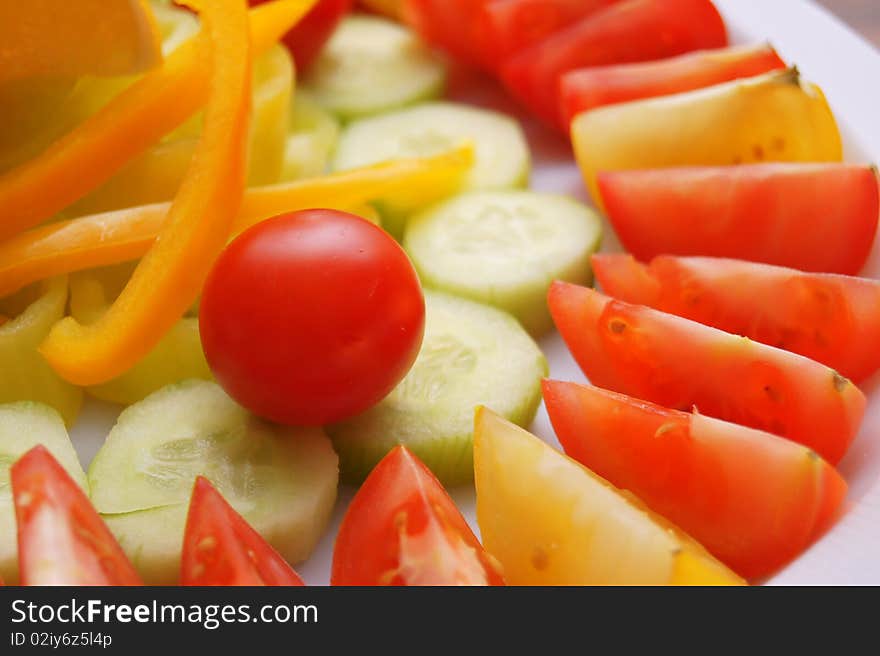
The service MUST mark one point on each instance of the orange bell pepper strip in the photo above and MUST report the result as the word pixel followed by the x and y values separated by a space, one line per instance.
pixel 139 116
pixel 122 235
pixel 169 277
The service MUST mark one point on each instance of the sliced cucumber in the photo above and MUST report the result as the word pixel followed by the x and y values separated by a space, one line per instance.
pixel 23 425
pixel 502 154
pixel 504 248
pixel 283 480
pixel 371 65
pixel 311 138
pixel 472 355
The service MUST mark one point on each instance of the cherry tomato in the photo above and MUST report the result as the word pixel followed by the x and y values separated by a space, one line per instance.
pixel 311 317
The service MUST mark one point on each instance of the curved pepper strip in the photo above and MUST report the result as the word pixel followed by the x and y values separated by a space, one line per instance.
pixel 24 374
pixel 123 235
pixel 169 278
pixel 139 116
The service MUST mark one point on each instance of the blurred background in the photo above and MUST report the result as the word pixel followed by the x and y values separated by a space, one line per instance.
pixel 862 15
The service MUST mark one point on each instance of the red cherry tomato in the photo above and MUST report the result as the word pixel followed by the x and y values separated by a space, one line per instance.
pixel 311 317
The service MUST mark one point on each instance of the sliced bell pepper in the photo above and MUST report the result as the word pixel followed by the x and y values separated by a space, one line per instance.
pixel 112 237
pixel 139 116
pixel 168 279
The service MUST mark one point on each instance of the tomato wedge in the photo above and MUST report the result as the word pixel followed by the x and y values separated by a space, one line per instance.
pixel 629 31
pixel 221 548
pixel 402 528
pixel 830 318
pixel 61 539
pixel 680 364
pixel 585 89
pixel 753 499
pixel 448 24
pixel 813 217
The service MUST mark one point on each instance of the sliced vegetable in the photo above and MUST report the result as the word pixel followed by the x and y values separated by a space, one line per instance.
pixel 372 65
pixel 390 8
pixel 169 278
pixel 551 521
pixel 682 364
pixel 24 425
pixel 281 480
pixel 832 319
pixel 771 117
pixel 629 31
pixel 753 212
pixel 448 24
pixel 402 528
pixel 503 248
pixel 311 139
pixel 61 539
pixel 588 88
pixel 752 499
pixel 24 373
pixel 472 354
pixel 221 548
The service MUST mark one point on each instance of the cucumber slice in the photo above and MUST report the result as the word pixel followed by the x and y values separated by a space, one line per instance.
pixel 472 355
pixel 371 65
pixel 502 155
pixel 24 425
pixel 504 248
pixel 283 480
pixel 311 139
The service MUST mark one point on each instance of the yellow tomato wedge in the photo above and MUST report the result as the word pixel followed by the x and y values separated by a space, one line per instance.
pixel 76 37
pixel 772 117
pixel 551 521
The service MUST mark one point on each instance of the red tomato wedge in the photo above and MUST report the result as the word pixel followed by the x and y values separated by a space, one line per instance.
pixel 61 538
pixel 681 364
pixel 221 548
pixel 754 500
pixel 830 318
pixel 813 217
pixel 585 89
pixel 403 529
pixel 448 24
pixel 629 31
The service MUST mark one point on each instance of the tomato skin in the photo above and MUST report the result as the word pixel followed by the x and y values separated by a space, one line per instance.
pixel 308 37
pixel 752 499
pixel 681 364
pixel 221 548
pixel 448 24
pixel 311 317
pixel 402 528
pixel 829 318
pixel 589 88
pixel 753 212
pixel 631 31
pixel 61 538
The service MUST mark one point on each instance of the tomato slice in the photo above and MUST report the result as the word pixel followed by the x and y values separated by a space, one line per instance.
pixel 682 364
pixel 754 500
pixel 585 89
pixel 61 538
pixel 221 548
pixel 752 212
pixel 629 31
pixel 830 318
pixel 449 24
pixel 402 528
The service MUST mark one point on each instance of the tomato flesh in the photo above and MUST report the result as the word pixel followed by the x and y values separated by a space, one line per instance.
pixel 629 31
pixel 754 500
pixel 402 528
pixel 61 538
pixel 452 25
pixel 682 364
pixel 755 212
pixel 221 548
pixel 589 88
pixel 311 317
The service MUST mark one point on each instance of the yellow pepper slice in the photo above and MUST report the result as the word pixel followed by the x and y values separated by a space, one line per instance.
pixel 169 278
pixel 103 239
pixel 139 116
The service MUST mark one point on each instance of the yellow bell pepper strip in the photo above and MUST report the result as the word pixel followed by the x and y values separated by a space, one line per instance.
pixel 169 278
pixel 109 238
pixel 24 374
pixel 139 116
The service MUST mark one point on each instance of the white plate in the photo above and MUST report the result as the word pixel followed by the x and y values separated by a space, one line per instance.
pixel 848 69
